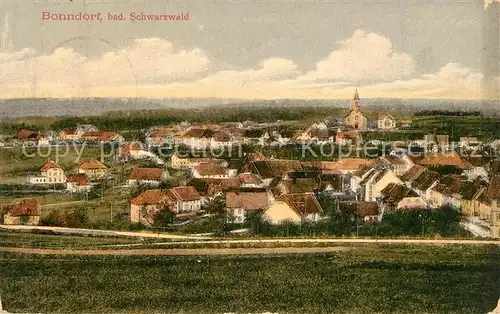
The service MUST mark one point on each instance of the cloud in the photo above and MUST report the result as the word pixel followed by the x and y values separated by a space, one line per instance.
pixel 145 61
pixel 488 2
pixel 153 67
pixel 362 58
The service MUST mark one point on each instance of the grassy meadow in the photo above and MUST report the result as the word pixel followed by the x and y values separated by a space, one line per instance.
pixel 372 279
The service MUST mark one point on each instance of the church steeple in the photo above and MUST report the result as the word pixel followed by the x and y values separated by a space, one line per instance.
pixel 355 102
pixel 356 96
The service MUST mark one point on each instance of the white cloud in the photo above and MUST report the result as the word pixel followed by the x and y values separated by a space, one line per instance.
pixel 145 61
pixel 363 57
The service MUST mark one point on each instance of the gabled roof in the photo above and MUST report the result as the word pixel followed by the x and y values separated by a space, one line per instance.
pixel 303 203
pixel 394 160
pixel 293 186
pixel 473 189
pixel 453 159
pixel 384 115
pixel 184 193
pixel 149 197
pixel 92 164
pixel 394 193
pixel 210 169
pixel 249 178
pixel 362 209
pixel 24 207
pixel 221 136
pixel 198 133
pixel 79 179
pixel 425 180
pixel 49 165
pixel 449 185
pixel 25 134
pixel 247 200
pixel 150 174
pixel 412 173
pixel 494 188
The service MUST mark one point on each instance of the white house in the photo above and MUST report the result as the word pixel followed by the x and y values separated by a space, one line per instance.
pixel 295 208
pixel 184 199
pixel 50 173
pixel 386 121
pixel 239 204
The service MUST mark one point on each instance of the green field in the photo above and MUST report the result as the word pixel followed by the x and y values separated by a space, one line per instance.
pixel 372 279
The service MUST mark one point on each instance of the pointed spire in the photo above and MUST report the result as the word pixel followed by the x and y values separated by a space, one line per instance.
pixel 356 96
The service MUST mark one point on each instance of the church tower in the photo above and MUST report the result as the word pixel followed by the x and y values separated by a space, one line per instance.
pixel 355 102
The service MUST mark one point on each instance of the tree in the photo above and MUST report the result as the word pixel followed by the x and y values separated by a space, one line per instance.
pixel 216 206
pixel 163 217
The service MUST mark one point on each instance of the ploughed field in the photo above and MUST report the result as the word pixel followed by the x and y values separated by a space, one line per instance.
pixel 365 279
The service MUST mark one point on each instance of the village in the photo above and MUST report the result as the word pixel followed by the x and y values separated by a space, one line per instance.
pixel 183 174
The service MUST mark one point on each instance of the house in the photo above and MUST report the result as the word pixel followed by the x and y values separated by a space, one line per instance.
pixel 356 119
pixel 221 139
pixel 399 197
pixel 364 211
pixel 85 128
pixel 148 176
pixel 404 124
pixel 348 137
pixel 374 183
pixel 238 204
pixel 198 138
pixel 250 180
pixel 386 121
pixel 179 161
pixel 144 206
pixel 424 182
pixel 184 199
pixel 160 137
pixel 452 159
pixel 211 170
pixel 472 192
pixel 27 137
pixel 22 212
pixel 50 173
pixel 398 164
pixel 42 140
pixel 94 169
pixel 493 195
pixel 68 135
pixel 293 208
pixel 78 183
pixel 102 137
pixel 131 150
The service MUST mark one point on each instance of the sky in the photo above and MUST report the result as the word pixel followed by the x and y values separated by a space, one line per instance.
pixel 253 49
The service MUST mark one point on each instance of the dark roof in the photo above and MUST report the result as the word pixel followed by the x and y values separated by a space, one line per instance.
pixel 393 193
pixel 412 173
pixel 425 180
pixel 494 188
pixel 362 209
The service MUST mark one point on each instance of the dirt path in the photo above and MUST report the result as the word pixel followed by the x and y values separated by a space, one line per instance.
pixel 235 251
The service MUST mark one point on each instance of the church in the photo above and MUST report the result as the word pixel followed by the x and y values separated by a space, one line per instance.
pixel 356 119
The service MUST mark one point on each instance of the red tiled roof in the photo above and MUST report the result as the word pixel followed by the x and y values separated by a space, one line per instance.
pixel 48 165
pixel 25 134
pixel 210 169
pixel 198 133
pixel 453 159
pixel 149 197
pixel 92 164
pixel 69 132
pixel 79 179
pixel 247 200
pixel 386 115
pixel 24 207
pixel 394 160
pixel 249 178
pixel 221 137
pixel 151 174
pixel 184 193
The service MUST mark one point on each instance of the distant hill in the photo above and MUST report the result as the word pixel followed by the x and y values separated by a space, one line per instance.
pixel 49 107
